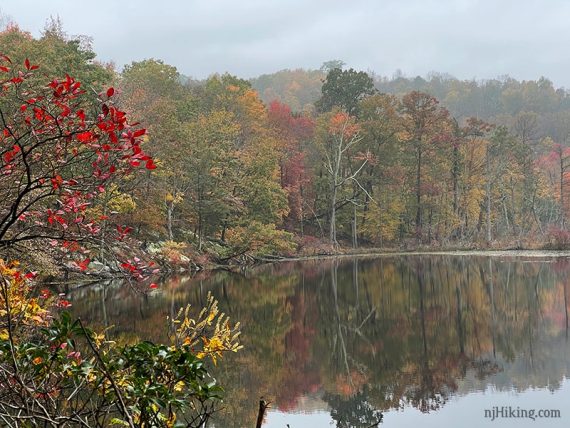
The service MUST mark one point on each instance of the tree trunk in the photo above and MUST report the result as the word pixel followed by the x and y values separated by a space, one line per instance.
pixel 301 213
pixel 455 174
pixel 419 193
pixel 561 190
pixel 333 217
pixel 335 185
pixel 200 228
pixel 169 211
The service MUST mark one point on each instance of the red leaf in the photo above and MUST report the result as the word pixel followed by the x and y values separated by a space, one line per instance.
pixel 64 303
pixel 8 156
pixel 129 267
pixel 27 63
pixel 83 264
pixel 110 92
pixel 38 113
pixel 56 182
pixel 85 137
pixel 150 164
pixel 65 110
pixel 139 133
pixel 30 275
pixel 4 69
pixel 153 286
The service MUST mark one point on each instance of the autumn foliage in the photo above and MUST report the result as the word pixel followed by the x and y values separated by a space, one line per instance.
pixel 56 371
pixel 61 146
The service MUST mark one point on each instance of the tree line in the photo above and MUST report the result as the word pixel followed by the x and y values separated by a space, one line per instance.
pixel 362 167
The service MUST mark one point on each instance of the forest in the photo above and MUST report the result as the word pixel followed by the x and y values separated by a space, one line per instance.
pixel 313 161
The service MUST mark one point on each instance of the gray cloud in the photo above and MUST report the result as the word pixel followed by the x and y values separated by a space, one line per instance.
pixel 466 38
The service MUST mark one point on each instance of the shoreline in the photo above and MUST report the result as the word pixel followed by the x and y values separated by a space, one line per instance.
pixel 90 277
pixel 385 253
pixel 377 253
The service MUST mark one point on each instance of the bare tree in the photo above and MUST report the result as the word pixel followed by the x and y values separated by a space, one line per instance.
pixel 342 137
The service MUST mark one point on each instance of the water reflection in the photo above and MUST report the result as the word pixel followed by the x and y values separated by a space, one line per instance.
pixel 359 337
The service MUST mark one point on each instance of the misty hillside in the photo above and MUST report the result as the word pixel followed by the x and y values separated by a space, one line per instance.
pixel 534 104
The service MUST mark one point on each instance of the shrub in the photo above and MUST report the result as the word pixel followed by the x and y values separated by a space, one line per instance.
pixel 261 239
pixel 55 371
pixel 558 239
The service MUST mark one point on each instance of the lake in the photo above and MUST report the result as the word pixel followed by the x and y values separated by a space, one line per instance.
pixel 425 340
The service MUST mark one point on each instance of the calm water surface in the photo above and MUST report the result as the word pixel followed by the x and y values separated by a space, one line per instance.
pixel 429 341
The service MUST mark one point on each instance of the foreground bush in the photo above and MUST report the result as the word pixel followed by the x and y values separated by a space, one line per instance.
pixel 56 372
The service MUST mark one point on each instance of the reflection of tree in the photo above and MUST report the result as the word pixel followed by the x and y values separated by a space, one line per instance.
pixel 369 335
pixel 354 411
pixel 562 267
pixel 300 374
pixel 435 381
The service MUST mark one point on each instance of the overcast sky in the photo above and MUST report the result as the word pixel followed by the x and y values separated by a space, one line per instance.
pixel 466 38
